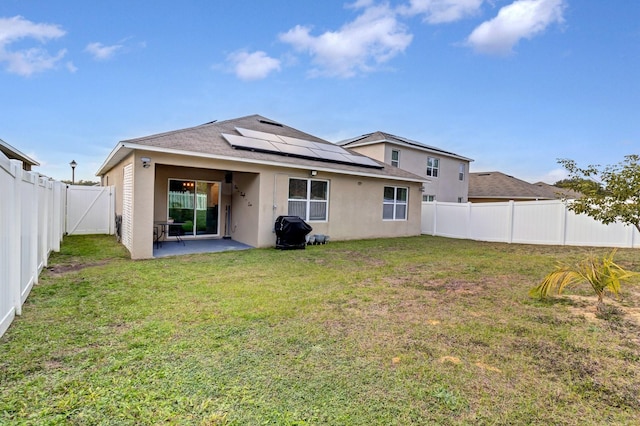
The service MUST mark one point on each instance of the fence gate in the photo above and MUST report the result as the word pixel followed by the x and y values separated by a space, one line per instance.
pixel 90 210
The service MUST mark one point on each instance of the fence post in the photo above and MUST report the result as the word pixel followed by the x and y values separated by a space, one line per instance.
pixel 43 222
pixel 469 235
pixel 510 213
pixel 57 215
pixel 563 224
pixel 435 218
pixel 632 230
pixel 14 237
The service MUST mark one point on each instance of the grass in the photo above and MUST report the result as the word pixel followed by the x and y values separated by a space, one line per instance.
pixel 399 331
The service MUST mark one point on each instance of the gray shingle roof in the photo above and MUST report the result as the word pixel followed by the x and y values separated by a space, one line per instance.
pixel 499 185
pixel 207 140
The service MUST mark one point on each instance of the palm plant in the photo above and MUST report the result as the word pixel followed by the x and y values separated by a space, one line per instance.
pixel 602 274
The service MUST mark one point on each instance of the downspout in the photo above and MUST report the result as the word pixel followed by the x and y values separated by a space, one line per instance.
pixel 227 211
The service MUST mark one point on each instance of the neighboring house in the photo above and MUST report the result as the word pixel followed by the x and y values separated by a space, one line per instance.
pixel 14 154
pixel 446 173
pixel 233 179
pixel 486 187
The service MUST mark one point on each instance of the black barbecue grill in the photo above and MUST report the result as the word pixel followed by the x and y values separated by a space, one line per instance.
pixel 291 232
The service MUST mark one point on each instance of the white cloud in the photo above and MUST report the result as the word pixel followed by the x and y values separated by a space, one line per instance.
pixel 371 39
pixel 30 60
pixel 442 11
pixel 358 4
pixel 253 66
pixel 521 19
pixel 553 176
pixel 101 52
pixel 71 67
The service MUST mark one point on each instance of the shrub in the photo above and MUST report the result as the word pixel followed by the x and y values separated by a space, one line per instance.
pixel 602 274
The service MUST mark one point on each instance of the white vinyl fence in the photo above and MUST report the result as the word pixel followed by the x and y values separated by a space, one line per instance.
pixel 526 222
pixel 31 226
pixel 33 213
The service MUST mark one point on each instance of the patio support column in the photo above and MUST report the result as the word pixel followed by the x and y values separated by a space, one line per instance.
pixel 143 202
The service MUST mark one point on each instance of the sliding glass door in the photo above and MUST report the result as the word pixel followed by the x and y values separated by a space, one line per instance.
pixel 195 205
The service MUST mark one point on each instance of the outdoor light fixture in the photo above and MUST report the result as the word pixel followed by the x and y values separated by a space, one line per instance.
pixel 313 172
pixel 73 165
pixel 146 162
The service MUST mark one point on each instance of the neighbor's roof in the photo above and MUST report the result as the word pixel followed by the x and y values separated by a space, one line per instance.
pixel 497 185
pixel 14 154
pixel 558 192
pixel 207 141
pixel 382 137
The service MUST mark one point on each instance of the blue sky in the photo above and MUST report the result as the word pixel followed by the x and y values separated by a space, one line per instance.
pixel 513 84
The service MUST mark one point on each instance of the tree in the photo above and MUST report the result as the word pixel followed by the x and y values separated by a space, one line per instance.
pixel 616 198
pixel 82 182
pixel 586 184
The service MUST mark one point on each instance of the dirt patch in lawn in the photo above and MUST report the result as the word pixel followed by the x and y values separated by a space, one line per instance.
pixel 445 286
pixel 587 308
pixel 66 268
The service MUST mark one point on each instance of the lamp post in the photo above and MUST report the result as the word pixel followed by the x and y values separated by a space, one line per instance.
pixel 73 165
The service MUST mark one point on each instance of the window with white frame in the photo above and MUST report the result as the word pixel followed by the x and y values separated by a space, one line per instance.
pixel 395 158
pixel 461 171
pixel 395 203
pixel 428 198
pixel 308 199
pixel 433 165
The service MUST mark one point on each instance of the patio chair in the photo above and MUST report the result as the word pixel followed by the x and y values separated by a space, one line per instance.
pixel 156 237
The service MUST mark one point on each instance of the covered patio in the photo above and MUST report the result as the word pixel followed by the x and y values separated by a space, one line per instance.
pixel 179 248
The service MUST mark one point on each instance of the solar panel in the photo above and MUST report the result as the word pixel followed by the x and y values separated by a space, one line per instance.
pixel 331 156
pixel 362 160
pixel 295 150
pixel 330 147
pixel 259 135
pixel 314 145
pixel 250 143
pixel 254 140
pixel 298 142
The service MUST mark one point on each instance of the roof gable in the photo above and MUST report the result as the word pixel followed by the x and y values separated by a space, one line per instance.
pixel 382 137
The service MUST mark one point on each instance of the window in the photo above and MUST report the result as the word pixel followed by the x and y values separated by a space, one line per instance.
pixel 428 198
pixel 394 205
pixel 461 170
pixel 433 164
pixel 460 199
pixel 195 204
pixel 395 158
pixel 308 199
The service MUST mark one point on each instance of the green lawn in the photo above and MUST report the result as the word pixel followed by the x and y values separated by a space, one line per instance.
pixel 399 331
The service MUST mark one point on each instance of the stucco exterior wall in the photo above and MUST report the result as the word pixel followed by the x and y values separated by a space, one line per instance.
pixel 375 151
pixel 446 187
pixel 355 206
pixel 115 177
pixel 246 210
